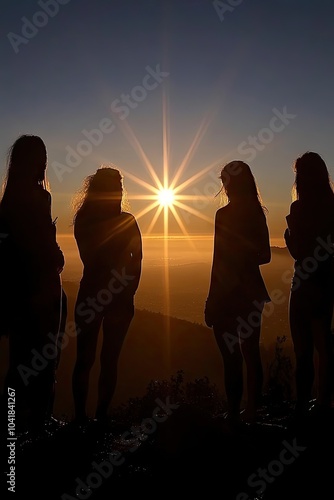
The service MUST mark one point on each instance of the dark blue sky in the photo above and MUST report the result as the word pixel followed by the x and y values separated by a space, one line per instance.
pixel 263 55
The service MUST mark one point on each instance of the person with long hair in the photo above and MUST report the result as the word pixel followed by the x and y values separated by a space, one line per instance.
pixel 110 246
pixel 31 293
pixel 309 238
pixel 237 292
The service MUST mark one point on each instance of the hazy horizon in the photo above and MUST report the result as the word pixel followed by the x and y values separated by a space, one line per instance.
pixel 176 273
pixel 157 251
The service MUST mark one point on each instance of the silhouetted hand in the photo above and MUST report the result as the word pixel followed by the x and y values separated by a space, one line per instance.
pixel 60 260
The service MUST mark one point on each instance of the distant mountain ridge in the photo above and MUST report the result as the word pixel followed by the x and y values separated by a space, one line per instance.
pixel 156 347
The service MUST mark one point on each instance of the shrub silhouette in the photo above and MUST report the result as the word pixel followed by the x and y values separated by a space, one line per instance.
pixel 197 394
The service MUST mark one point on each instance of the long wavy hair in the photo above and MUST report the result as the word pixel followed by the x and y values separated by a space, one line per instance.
pixel 26 166
pixel 102 193
pixel 312 179
pixel 239 184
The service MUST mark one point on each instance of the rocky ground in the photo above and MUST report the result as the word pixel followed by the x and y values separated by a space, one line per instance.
pixel 179 450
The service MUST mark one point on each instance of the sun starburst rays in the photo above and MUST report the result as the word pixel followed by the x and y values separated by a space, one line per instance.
pixel 134 141
pixel 194 145
pixel 167 195
pixel 167 199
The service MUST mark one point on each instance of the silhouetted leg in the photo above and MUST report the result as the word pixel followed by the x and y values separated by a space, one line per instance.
pixel 42 394
pixel 28 367
pixel 61 309
pixel 45 345
pixel 63 319
pixel 301 332
pixel 233 365
pixel 115 327
pixel 20 374
pixel 87 336
pixel 250 347
pixel 322 341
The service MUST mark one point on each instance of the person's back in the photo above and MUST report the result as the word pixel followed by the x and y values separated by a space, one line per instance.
pixel 33 255
pixel 310 237
pixel 242 245
pixel 108 246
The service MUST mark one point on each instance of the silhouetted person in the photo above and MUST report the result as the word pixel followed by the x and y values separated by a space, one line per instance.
pixel 31 263
pixel 237 292
pixel 110 247
pixel 309 238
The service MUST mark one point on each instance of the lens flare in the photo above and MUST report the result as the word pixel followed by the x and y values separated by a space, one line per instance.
pixel 166 197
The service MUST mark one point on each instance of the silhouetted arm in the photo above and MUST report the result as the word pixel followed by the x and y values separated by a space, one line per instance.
pixel 227 264
pixel 136 252
pixel 307 227
pixel 262 250
pixel 85 237
pixel 54 257
pixel 228 258
pixel 35 232
pixel 299 235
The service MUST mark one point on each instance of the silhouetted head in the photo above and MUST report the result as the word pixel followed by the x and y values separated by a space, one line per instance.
pixel 26 167
pixel 27 159
pixel 312 181
pixel 239 183
pixel 106 185
pixel 102 193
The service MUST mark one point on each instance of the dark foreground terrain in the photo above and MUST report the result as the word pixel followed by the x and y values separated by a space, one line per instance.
pixel 175 442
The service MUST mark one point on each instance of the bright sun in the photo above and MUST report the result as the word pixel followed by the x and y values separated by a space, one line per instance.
pixel 166 197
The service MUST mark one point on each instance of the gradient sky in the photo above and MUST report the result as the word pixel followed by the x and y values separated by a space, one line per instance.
pixel 225 77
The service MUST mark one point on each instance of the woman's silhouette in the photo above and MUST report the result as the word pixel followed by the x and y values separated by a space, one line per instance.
pixel 237 292
pixel 31 293
pixel 309 238
pixel 110 247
